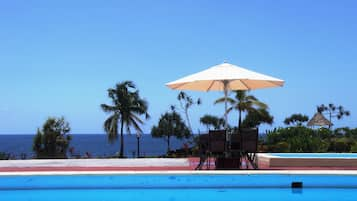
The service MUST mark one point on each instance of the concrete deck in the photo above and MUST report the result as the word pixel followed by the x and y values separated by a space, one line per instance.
pixel 95 164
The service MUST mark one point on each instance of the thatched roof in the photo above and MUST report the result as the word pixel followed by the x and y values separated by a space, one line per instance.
pixel 319 120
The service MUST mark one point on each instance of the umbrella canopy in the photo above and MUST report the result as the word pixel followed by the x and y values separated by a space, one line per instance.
pixel 225 77
pixel 319 120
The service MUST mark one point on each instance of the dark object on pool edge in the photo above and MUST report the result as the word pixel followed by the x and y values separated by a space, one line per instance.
pixel 296 184
pixel 229 154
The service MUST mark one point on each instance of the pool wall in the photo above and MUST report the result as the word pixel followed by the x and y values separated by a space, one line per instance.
pixel 272 161
pixel 175 181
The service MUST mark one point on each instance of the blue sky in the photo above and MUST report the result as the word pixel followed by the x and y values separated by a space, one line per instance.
pixel 58 58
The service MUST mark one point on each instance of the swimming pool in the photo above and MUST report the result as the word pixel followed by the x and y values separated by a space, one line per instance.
pixel 332 160
pixel 205 186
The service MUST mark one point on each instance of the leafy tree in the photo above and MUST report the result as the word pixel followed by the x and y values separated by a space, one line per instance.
pixel 243 103
pixel 296 119
pixel 170 125
pixel 256 117
pixel 354 148
pixel 303 139
pixel 333 111
pixel 212 121
pixel 295 139
pixel 126 109
pixel 52 140
pixel 186 102
pixel 340 145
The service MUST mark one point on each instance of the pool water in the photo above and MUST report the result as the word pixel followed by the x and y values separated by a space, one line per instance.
pixel 179 187
pixel 179 194
pixel 315 155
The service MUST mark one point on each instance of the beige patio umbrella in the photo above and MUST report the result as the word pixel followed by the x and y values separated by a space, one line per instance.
pixel 225 77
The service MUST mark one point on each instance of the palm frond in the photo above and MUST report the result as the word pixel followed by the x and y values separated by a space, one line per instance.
pixel 108 108
pixel 134 121
pixel 111 127
pixel 223 99
pixel 229 109
pixel 135 118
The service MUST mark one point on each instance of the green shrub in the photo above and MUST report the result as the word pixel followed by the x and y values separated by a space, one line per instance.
pixel 296 139
pixel 4 156
pixel 52 140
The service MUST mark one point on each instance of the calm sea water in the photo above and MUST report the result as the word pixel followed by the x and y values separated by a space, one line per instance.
pixel 96 145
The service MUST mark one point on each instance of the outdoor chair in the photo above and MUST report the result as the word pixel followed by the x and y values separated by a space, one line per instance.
pixel 203 147
pixel 249 145
pixel 220 151
pixel 235 145
pixel 212 144
pixel 217 142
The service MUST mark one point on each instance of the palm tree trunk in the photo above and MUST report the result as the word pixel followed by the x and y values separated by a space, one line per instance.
pixel 121 153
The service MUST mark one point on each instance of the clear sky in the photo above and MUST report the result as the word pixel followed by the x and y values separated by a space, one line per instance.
pixel 58 58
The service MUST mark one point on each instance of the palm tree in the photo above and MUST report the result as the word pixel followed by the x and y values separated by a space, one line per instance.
pixel 257 117
pixel 242 103
pixel 126 109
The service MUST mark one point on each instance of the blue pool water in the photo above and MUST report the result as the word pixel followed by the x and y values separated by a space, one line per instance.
pixel 315 155
pixel 179 187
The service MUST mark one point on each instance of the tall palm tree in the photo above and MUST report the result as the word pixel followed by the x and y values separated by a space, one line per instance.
pixel 126 109
pixel 243 103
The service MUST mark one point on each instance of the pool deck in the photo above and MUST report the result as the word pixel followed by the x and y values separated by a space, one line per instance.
pixel 142 164
pixel 269 161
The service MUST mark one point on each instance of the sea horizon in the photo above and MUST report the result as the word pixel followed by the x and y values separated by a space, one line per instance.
pixel 94 145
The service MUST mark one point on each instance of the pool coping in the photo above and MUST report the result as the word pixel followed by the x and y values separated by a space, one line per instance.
pixel 273 161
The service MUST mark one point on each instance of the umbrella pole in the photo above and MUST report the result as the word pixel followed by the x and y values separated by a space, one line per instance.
pixel 225 88
pixel 225 105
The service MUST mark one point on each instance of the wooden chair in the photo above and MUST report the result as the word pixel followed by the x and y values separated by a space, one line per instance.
pixel 203 146
pixel 249 145
pixel 235 145
pixel 212 144
pixel 217 142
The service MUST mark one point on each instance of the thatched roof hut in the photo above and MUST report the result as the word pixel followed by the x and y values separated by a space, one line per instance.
pixel 319 120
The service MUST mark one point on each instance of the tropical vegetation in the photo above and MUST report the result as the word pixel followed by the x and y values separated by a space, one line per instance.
pixel 186 102
pixel 242 102
pixel 299 138
pixel 125 112
pixel 296 119
pixel 333 111
pixel 212 122
pixel 170 125
pixel 52 140
pixel 255 118
pixel 302 139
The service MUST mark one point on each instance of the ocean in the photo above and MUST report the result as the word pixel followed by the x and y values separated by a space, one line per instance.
pixel 97 145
